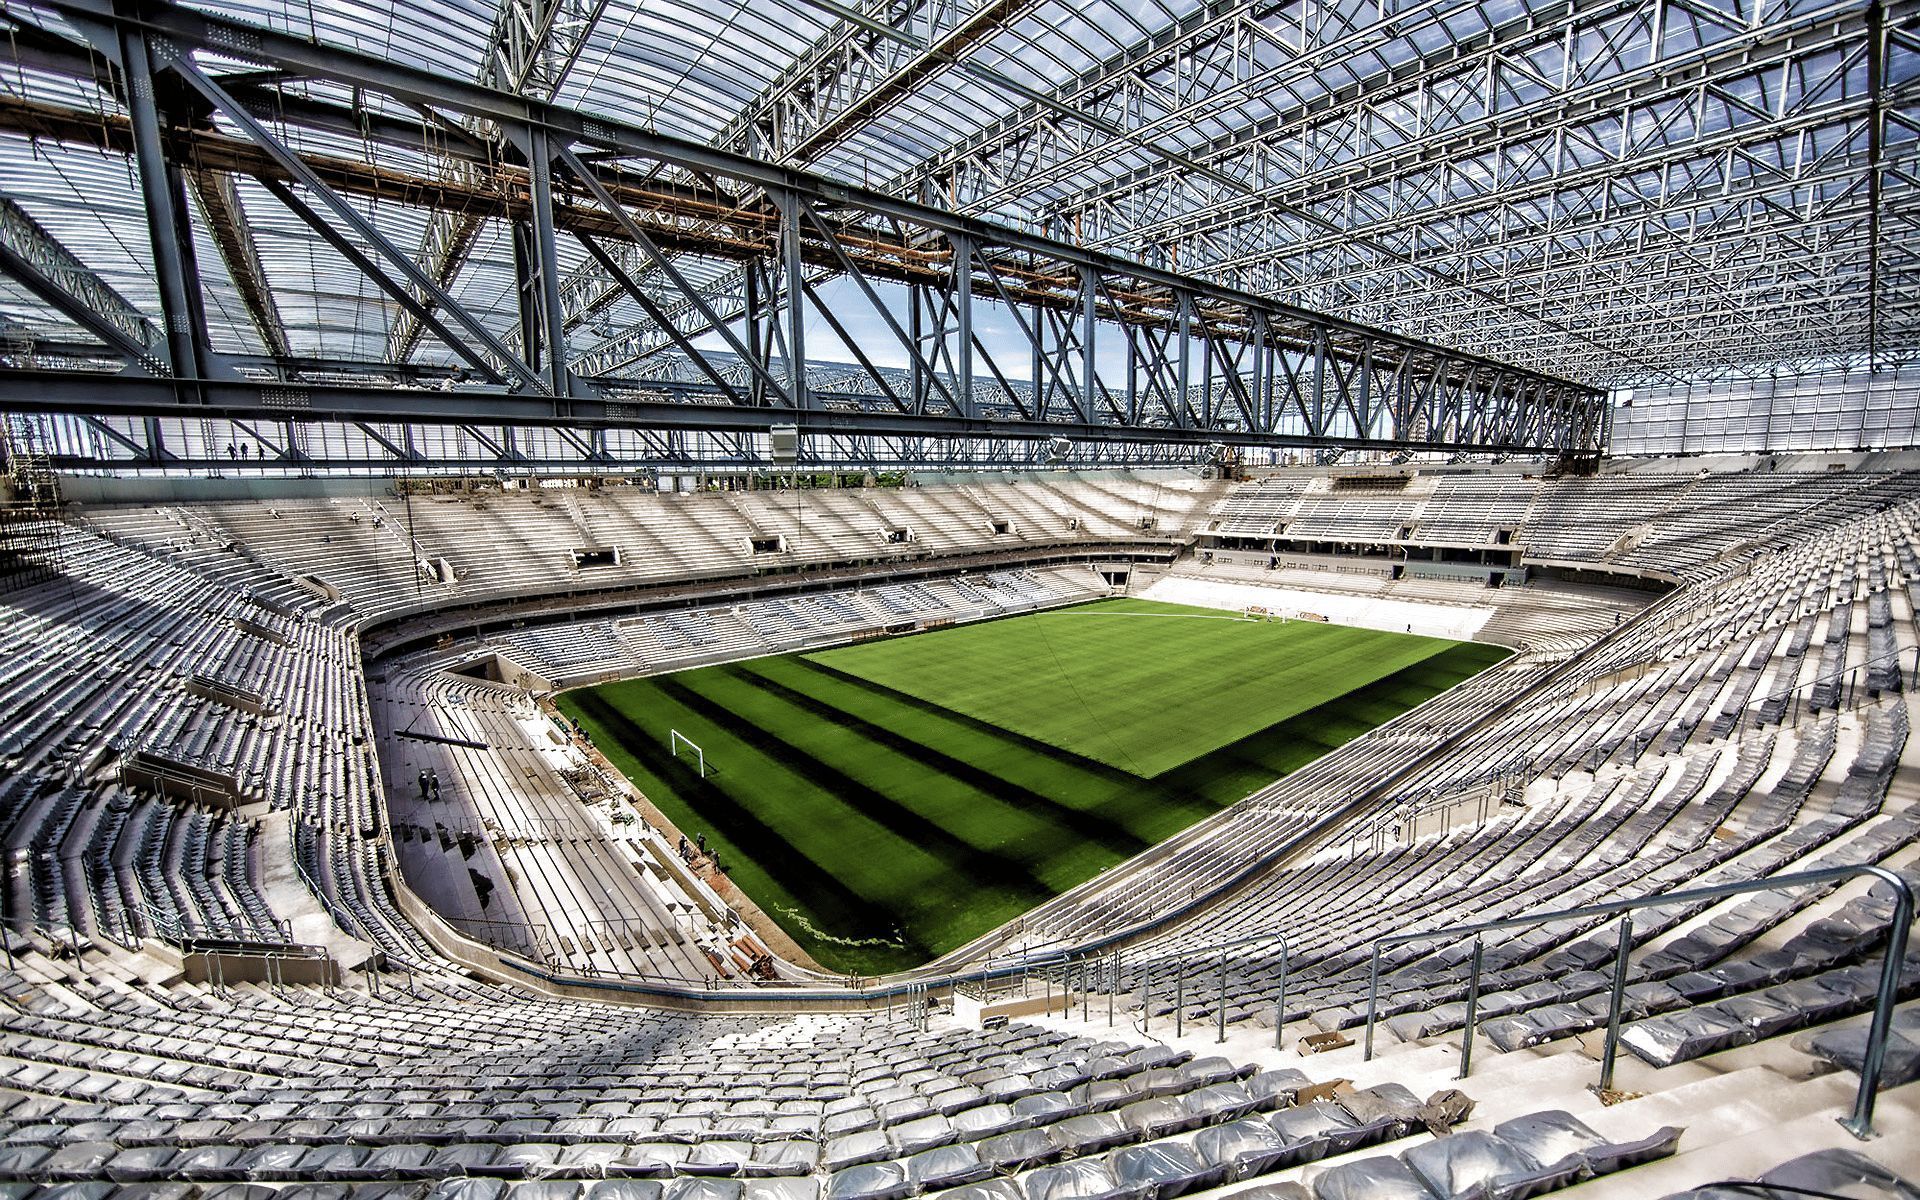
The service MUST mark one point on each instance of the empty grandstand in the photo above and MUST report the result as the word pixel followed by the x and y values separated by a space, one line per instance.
pixel 691 600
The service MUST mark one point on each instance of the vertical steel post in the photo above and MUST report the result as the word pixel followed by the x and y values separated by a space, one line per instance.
pixel 963 321
pixel 1222 1014
pixel 547 264
pixel 1280 1001
pixel 1183 392
pixel 1615 999
pixel 1088 384
pixel 1373 1002
pixel 1473 1009
pixel 753 318
pixel 1043 382
pixel 918 382
pixel 1318 424
pixel 1364 405
pixel 172 271
pixel 792 271
pixel 1860 1123
pixel 1179 1001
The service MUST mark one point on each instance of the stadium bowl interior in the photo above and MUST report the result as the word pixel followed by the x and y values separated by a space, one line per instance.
pixel 1036 600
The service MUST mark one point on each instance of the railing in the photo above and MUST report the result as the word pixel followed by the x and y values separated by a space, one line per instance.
pixel 217 957
pixel 345 919
pixel 1099 972
pixel 1485 790
pixel 68 935
pixel 214 950
pixel 123 931
pixel 528 939
pixel 1860 1123
pixel 175 927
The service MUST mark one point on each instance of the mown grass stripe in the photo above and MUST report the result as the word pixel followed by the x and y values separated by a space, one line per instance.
pixel 965 859
pixel 1068 819
pixel 747 840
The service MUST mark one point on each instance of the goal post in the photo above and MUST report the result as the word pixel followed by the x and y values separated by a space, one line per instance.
pixel 673 744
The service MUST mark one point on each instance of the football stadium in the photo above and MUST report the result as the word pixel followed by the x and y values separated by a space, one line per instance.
pixel 968 599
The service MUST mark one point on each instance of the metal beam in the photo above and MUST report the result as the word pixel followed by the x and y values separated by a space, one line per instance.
pixel 854 73
pixel 121 395
pixel 227 221
pixel 34 257
pixel 531 48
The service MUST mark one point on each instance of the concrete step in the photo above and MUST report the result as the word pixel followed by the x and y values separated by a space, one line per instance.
pixel 1794 1119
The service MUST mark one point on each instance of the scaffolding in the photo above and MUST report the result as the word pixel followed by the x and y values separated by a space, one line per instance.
pixel 29 516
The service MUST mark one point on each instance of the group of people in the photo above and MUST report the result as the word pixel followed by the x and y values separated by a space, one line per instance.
pixel 691 853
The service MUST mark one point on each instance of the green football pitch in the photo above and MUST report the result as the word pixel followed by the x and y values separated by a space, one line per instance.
pixel 890 800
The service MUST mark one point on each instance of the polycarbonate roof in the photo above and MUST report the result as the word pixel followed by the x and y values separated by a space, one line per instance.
pixel 1611 190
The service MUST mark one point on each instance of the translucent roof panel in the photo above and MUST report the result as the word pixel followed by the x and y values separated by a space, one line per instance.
pixel 1632 191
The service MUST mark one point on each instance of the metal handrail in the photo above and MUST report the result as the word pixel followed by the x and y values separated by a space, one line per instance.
pixel 348 923
pixel 1859 1123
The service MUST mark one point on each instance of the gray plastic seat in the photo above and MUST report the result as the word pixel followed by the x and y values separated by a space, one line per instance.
pixel 1018 1150
pixel 1316 1130
pixel 945 1167
pixel 869 1181
pixel 784 1188
pixel 1277 1190
pixel 1220 1102
pixel 991 1189
pixel 650 1160
pixel 922 1134
pixel 1465 1166
pixel 1164 1169
pixel 718 1158
pixel 1041 1107
pixel 789 1156
pixel 1380 1178
pixel 1245 1148
pixel 1678 1037
pixel 984 1120
pixel 200 1162
pixel 333 1162
pixel 1276 1089
pixel 547 1189
pixel 1090 1133
pixel 699 1187
pixel 1842 1171
pixel 134 1164
pixel 1084 1179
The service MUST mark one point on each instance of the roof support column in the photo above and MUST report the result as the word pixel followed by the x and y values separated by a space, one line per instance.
pixel 963 318
pixel 540 170
pixel 162 191
pixel 1089 377
pixel 795 298
pixel 1183 416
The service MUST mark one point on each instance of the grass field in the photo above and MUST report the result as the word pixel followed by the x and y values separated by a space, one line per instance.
pixel 891 800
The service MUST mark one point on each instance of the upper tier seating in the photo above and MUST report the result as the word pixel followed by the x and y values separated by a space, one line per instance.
pixel 380 554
